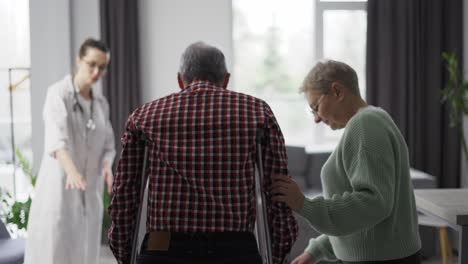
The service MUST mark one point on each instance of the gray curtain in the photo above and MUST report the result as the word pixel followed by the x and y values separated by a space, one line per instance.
pixel 119 30
pixel 405 75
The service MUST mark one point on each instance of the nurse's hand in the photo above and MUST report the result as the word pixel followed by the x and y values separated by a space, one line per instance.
pixel 285 189
pixel 75 181
pixel 304 258
pixel 107 176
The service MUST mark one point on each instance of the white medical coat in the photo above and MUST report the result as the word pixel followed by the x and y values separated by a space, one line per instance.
pixel 65 225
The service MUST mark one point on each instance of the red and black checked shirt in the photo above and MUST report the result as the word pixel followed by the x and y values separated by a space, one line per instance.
pixel 201 167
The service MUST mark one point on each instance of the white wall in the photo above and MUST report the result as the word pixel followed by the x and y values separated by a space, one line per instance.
pixel 85 23
pixel 57 29
pixel 50 51
pixel 167 27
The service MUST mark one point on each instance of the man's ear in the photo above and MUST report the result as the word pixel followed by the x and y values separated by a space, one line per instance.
pixel 179 80
pixel 226 80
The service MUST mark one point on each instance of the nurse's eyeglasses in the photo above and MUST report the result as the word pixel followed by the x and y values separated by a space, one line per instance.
pixel 93 65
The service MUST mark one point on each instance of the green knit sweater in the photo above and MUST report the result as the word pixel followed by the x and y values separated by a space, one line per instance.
pixel 368 211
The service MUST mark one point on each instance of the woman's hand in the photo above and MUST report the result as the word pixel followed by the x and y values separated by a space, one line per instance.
pixel 74 178
pixel 285 189
pixel 304 258
pixel 107 176
pixel 75 181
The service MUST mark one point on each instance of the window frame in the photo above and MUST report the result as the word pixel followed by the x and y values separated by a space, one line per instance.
pixel 320 8
pixel 328 139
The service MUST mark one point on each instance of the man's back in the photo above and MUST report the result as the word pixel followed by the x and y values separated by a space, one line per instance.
pixel 200 168
pixel 203 159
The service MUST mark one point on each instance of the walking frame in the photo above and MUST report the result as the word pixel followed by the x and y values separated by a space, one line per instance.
pixel 262 224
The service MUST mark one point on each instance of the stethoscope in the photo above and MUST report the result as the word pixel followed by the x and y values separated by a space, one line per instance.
pixel 90 125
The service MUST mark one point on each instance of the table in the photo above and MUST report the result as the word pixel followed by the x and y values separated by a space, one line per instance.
pixel 451 206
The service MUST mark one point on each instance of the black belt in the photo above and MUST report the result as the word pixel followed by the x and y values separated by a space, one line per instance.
pixel 176 243
pixel 218 236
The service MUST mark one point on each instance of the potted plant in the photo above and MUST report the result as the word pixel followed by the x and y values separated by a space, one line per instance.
pixel 16 213
pixel 455 94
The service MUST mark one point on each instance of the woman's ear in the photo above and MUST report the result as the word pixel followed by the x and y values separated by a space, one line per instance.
pixel 77 61
pixel 338 90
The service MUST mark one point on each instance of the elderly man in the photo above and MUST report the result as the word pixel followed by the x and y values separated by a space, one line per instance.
pixel 367 213
pixel 201 201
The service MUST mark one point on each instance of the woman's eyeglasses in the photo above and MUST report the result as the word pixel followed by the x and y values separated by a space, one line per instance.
pixel 314 108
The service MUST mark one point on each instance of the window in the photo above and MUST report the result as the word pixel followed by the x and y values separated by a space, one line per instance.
pixel 15 107
pixel 275 45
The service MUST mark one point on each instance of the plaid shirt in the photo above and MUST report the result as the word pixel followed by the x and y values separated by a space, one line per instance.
pixel 200 168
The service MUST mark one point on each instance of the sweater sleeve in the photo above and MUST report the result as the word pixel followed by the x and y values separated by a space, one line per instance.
pixel 369 164
pixel 321 249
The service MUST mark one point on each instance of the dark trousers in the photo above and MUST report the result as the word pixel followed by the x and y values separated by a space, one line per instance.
pixel 206 248
pixel 413 259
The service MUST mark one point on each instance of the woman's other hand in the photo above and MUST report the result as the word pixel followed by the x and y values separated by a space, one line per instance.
pixel 304 258
pixel 285 189
pixel 107 176
pixel 75 181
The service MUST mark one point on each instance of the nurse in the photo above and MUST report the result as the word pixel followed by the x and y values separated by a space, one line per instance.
pixel 66 213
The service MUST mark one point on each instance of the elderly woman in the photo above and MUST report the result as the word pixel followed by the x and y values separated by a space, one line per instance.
pixel 66 214
pixel 367 213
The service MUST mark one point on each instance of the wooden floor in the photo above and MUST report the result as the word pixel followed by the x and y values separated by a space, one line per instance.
pixel 106 255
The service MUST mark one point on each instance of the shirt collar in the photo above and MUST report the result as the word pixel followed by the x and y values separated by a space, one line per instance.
pixel 200 84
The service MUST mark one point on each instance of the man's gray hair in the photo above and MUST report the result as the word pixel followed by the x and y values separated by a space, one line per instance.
pixel 324 73
pixel 201 61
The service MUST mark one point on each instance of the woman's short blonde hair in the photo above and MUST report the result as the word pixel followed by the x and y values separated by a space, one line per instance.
pixel 324 73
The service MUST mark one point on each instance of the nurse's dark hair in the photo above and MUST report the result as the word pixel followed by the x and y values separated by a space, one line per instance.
pixel 92 43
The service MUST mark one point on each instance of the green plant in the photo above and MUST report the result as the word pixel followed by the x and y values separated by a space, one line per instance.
pixel 26 166
pixel 106 221
pixel 455 94
pixel 16 212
